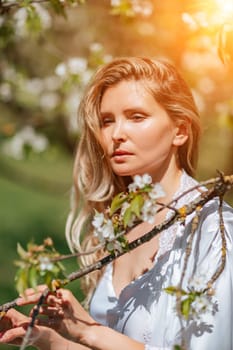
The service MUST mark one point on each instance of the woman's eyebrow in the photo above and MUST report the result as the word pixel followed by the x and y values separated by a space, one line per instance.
pixel 105 114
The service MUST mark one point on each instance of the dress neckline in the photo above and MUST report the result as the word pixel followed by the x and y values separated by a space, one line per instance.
pixel 168 236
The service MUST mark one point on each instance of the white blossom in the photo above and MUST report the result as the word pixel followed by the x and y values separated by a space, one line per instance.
pixel 34 86
pixel 108 230
pixel 77 65
pixel 149 210
pixel 71 106
pixel 44 15
pixel 115 245
pixel 139 182
pixel 5 92
pixel 74 65
pixel 189 20
pixel 202 304
pixel 107 58
pixel 104 231
pixel 142 7
pixel 103 228
pixel 198 282
pixel 96 47
pixel 20 19
pixel 27 136
pixel 86 76
pixel 61 70
pixel 115 3
pixel 98 220
pixel 45 263
pixel 156 192
pixel 49 101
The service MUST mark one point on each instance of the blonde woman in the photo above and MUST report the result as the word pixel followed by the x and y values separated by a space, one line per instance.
pixel 138 117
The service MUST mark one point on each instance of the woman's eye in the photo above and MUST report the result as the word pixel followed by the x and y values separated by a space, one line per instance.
pixel 138 117
pixel 106 121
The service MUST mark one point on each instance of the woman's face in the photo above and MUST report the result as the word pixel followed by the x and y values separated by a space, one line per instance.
pixel 137 134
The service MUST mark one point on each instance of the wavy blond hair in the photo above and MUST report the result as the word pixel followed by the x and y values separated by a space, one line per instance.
pixel 94 181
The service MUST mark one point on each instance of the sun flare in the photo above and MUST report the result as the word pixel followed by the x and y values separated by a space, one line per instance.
pixel 225 6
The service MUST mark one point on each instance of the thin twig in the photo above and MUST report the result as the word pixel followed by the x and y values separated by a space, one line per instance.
pixel 223 248
pixel 169 205
pixel 26 338
pixel 218 190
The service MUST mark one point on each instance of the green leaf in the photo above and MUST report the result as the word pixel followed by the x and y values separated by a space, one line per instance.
pixel 33 23
pixel 171 290
pixel 61 267
pixel 55 270
pixel 174 290
pixel 33 277
pixel 185 307
pixel 117 202
pixel 19 263
pixel 58 7
pixel 48 279
pixel 21 280
pixel 127 216
pixel 110 247
pixel 22 253
pixel 177 347
pixel 137 204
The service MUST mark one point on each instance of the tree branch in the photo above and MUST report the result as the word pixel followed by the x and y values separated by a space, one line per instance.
pixel 222 185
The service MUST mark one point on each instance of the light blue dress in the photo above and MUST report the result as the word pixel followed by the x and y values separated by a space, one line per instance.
pixel 147 313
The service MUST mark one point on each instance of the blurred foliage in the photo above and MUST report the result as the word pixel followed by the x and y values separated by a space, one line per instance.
pixel 50 49
pixel 48 52
pixel 38 264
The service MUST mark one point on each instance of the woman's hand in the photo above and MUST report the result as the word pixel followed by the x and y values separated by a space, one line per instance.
pixel 62 312
pixel 66 315
pixel 13 327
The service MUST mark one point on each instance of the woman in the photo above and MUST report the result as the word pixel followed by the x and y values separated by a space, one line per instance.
pixel 138 117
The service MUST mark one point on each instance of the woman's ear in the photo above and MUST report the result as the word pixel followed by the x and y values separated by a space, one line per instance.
pixel 182 133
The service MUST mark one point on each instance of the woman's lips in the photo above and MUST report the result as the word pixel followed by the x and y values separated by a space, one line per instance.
pixel 120 155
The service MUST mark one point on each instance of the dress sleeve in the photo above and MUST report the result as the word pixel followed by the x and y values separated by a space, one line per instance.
pixel 215 328
pixel 211 328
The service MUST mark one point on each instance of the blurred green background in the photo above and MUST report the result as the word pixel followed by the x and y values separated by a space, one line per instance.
pixel 44 66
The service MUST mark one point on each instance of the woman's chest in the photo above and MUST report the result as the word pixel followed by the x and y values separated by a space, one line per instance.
pixel 134 264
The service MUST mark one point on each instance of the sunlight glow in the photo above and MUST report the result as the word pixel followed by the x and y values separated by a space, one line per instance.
pixel 225 6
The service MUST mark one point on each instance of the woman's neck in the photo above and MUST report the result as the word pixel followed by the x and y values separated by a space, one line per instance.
pixel 170 183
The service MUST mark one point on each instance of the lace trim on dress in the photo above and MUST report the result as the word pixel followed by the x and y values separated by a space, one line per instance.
pixel 167 237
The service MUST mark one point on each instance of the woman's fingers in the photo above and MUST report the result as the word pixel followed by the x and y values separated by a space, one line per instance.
pixel 13 335
pixel 49 311
pixel 13 318
pixel 31 295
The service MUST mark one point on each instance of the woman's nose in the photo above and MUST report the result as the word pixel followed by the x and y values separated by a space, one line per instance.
pixel 119 134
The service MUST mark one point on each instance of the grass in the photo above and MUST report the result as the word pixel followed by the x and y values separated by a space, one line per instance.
pixel 32 213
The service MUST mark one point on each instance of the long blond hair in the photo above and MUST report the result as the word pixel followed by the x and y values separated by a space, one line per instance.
pixel 94 181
